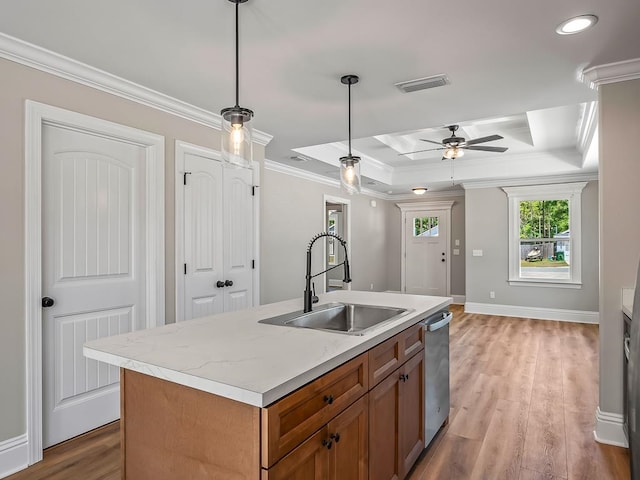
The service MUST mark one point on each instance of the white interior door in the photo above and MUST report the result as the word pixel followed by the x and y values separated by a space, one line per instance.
pixel 238 239
pixel 203 258
pixel 426 249
pixel 93 268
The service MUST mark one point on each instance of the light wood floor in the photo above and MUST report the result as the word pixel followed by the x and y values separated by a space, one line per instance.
pixel 523 394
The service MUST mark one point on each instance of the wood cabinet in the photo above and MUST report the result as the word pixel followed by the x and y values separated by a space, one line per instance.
pixel 396 421
pixel 338 451
pixel 289 422
pixel 339 426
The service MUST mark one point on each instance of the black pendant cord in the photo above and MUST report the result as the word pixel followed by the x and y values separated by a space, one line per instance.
pixel 237 59
pixel 349 119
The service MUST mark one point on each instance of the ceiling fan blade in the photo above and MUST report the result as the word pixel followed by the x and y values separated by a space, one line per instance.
pixel 487 149
pixel 420 151
pixel 490 138
pixel 430 141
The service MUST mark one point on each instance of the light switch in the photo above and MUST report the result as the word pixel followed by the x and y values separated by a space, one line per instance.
pixel 456 251
pixel 477 253
pixel 457 242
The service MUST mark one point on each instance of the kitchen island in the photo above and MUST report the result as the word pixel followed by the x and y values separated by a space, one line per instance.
pixel 228 397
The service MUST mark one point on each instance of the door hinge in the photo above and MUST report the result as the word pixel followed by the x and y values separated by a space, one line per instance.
pixel 253 264
pixel 253 190
pixel 185 268
pixel 184 177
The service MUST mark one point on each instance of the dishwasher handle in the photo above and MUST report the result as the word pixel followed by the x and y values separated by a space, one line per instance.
pixel 627 340
pixel 443 322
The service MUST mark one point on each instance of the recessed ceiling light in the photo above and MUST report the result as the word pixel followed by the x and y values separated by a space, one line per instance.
pixel 576 24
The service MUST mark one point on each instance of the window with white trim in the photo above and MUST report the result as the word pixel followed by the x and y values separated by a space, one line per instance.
pixel 545 235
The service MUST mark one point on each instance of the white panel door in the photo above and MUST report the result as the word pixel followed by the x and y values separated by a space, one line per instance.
pixel 238 239
pixel 426 248
pixel 93 268
pixel 203 192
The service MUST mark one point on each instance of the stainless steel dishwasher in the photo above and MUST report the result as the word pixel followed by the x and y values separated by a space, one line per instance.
pixel 436 371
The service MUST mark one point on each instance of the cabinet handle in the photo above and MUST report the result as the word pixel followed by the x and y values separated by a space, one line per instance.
pixel 335 437
pixel 327 443
pixel 328 399
pixel 404 377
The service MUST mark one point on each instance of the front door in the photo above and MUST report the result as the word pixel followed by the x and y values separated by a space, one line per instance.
pixel 426 248
pixel 93 270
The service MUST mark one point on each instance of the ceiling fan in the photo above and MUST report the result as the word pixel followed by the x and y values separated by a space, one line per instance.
pixel 454 146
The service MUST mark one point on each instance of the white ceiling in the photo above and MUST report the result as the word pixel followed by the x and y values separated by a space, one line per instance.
pixel 510 73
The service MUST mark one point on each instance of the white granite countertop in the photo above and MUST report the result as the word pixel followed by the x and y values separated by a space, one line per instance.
pixel 234 356
pixel 627 301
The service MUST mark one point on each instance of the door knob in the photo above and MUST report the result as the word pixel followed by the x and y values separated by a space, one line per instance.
pixel 219 284
pixel 228 283
pixel 47 302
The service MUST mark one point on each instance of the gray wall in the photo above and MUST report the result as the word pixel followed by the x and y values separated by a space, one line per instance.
pixel 291 213
pixel 394 240
pixel 619 121
pixel 20 83
pixel 487 230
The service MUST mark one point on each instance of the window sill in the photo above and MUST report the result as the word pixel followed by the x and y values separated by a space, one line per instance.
pixel 538 282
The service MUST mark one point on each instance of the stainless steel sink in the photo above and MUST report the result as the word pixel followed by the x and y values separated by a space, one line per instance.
pixel 347 318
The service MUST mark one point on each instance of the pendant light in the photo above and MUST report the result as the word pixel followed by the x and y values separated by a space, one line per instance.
pixel 237 146
pixel 350 165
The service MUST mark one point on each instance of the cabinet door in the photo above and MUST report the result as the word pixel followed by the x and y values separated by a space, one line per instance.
pixel 384 421
pixel 310 461
pixel 348 460
pixel 411 405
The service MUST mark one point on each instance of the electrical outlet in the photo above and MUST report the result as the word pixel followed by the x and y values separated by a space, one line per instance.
pixel 457 242
pixel 456 251
pixel 492 294
pixel 477 253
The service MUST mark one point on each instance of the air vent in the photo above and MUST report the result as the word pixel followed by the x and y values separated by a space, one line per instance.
pixel 423 83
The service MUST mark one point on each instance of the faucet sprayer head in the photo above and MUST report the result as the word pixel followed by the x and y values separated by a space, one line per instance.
pixel 347 273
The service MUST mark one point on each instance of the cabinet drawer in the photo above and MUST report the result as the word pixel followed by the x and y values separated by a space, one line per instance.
pixel 288 422
pixel 390 354
pixel 411 341
pixel 383 359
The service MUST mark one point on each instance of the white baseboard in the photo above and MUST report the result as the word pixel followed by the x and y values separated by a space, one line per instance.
pixel 610 429
pixel 577 316
pixel 14 455
pixel 458 299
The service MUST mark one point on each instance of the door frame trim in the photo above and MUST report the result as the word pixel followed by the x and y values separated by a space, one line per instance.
pixel 347 236
pixel 181 148
pixel 405 208
pixel 37 115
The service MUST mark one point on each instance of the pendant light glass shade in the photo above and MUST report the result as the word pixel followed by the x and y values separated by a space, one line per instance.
pixel 237 132
pixel 350 165
pixel 453 152
pixel 237 135
pixel 350 174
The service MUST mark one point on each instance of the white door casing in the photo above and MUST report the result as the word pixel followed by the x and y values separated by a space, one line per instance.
pixel 216 241
pixel 91 260
pixel 346 236
pixel 425 262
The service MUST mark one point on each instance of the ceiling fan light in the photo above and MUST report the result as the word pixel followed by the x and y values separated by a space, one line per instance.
pixel 453 152
pixel 350 178
pixel 419 190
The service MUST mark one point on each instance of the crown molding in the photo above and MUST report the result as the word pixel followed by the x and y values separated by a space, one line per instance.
pixel 33 56
pixel 611 73
pixel 588 126
pixel 546 180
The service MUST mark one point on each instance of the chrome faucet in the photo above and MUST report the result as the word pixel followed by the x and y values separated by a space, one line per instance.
pixel 309 297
